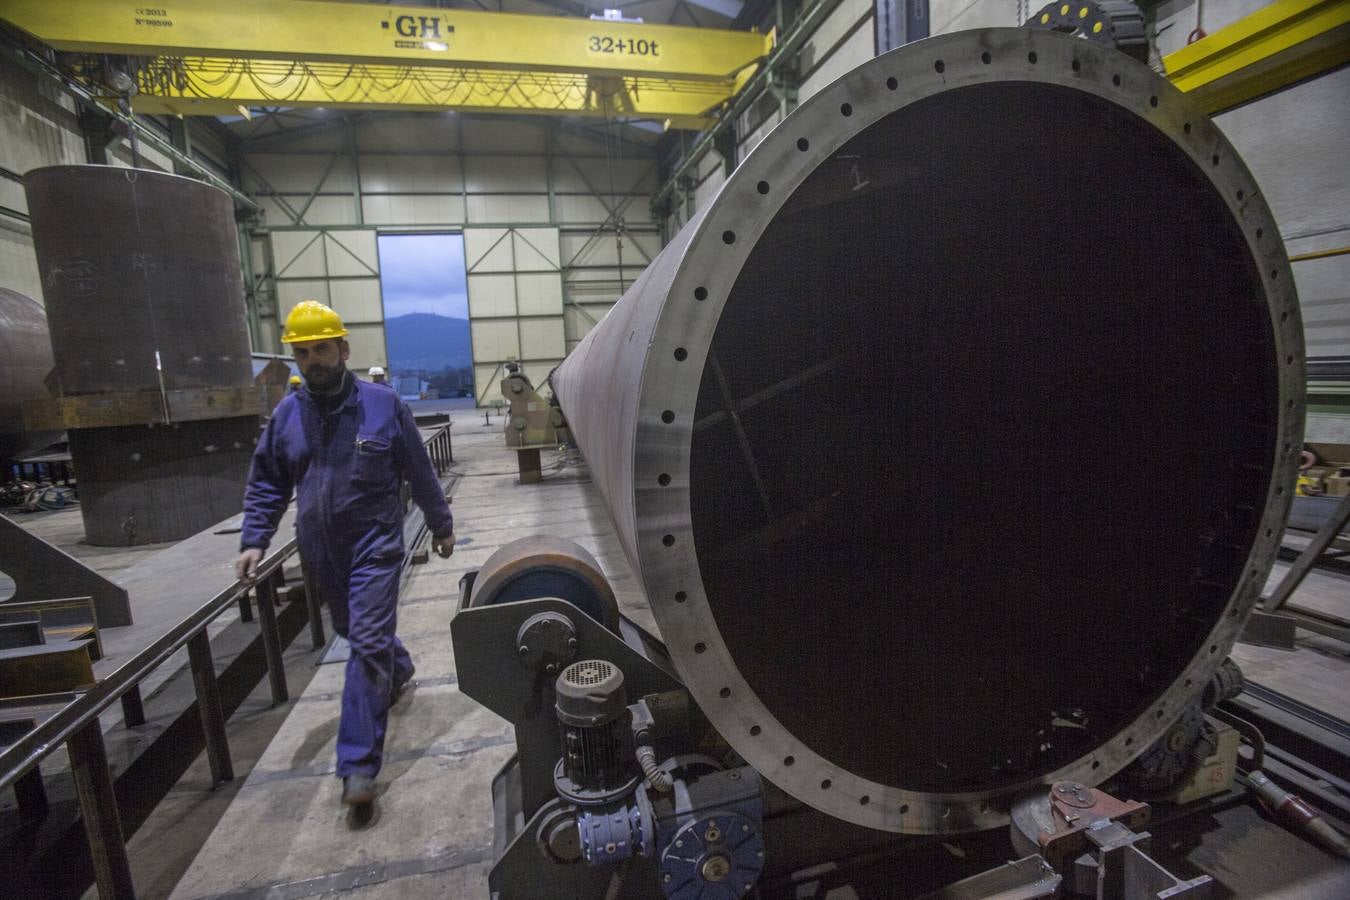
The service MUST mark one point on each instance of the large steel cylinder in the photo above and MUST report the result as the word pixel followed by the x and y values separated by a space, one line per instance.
pixel 144 296
pixel 952 439
pixel 25 361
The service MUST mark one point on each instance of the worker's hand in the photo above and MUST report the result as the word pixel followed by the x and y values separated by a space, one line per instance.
pixel 246 567
pixel 444 546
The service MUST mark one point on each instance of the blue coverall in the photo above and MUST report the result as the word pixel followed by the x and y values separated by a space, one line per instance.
pixel 346 468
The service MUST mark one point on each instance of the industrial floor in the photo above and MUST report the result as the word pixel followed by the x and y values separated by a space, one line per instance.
pixel 278 831
pixel 284 833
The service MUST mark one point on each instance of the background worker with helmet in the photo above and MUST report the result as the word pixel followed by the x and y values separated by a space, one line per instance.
pixel 344 446
pixel 377 375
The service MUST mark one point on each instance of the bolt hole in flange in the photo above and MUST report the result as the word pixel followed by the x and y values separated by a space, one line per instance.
pixel 777 562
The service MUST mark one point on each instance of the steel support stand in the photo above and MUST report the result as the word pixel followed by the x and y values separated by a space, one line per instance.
pixel 209 708
pixel 531 469
pixel 31 795
pixel 1333 526
pixel 133 707
pixel 271 635
pixel 313 604
pixel 98 808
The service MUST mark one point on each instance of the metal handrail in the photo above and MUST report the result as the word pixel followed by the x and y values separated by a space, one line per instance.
pixel 19 758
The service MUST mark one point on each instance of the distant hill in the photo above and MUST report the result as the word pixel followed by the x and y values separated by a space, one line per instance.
pixel 428 341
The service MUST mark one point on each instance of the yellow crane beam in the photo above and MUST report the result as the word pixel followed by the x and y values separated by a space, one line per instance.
pixel 370 34
pixel 1271 48
pixel 214 86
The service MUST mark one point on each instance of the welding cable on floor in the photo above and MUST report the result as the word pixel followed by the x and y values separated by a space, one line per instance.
pixel 16 493
pixel 1293 813
pixel 51 497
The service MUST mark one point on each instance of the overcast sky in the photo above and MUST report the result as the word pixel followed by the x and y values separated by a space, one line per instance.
pixel 423 273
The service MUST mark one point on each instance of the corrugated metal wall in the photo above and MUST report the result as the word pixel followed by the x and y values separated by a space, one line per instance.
pixel 555 222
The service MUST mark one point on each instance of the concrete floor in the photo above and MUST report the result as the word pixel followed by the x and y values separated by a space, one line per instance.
pixel 1317 670
pixel 279 831
pixel 285 833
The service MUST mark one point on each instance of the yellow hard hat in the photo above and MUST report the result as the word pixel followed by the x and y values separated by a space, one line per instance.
pixel 295 379
pixel 310 320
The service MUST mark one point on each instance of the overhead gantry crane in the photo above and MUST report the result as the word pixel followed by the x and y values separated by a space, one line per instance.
pixel 198 57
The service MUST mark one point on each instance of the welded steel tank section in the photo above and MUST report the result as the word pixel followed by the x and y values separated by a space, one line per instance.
pixel 145 300
pixel 953 438
pixel 25 361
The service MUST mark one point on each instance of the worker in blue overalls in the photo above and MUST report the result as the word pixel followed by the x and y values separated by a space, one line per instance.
pixel 344 446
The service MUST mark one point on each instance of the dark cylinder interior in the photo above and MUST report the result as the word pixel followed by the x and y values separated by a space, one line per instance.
pixel 1008 402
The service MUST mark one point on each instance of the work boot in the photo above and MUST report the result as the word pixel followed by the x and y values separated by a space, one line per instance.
pixel 400 685
pixel 358 790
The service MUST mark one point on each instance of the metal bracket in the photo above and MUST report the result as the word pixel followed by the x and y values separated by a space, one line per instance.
pixel 1074 809
pixel 1126 872
pixel 1269 630
pixel 44 572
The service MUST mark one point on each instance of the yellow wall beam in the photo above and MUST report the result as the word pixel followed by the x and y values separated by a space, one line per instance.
pixel 377 34
pixel 1273 47
pixel 220 86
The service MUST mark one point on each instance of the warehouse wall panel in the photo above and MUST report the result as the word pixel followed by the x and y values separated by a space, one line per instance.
pixel 40 129
pixel 603 175
pixel 299 254
pixel 496 208
pixel 1297 145
pixel 409 174
pixel 485 134
pixel 946 16
pixel 542 339
pixel 351 252
pixel 493 342
pixel 835 47
pixel 292 291
pixel 488 250
pixel 492 295
pixel 538 294
pixel 401 133
pixel 582 208
pixel 18 262
pixel 367 346
pixel 536 248
pixel 297 173
pixel 580 145
pixel 858 45
pixel 505 174
pixel 357 299
pixel 406 210
pixel 339 210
